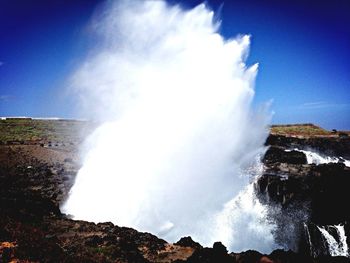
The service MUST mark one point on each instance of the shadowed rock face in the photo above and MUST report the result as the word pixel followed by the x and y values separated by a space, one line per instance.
pixel 331 146
pixel 188 242
pixel 304 193
pixel 210 255
pixel 324 186
pixel 279 155
pixel 36 179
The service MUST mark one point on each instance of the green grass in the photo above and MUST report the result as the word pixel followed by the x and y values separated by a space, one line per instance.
pixel 24 130
pixel 42 130
pixel 299 130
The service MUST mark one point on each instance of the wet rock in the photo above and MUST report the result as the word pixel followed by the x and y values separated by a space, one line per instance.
pixel 303 193
pixel 30 220
pixel 279 155
pixel 323 186
pixel 332 146
pixel 343 135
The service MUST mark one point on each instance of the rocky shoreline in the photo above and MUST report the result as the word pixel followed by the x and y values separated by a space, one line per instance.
pixel 307 195
pixel 35 179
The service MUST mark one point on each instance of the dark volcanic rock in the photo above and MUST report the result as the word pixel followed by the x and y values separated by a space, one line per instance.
pixel 211 255
pixel 248 256
pixel 279 155
pixel 30 218
pixel 332 146
pixel 280 255
pixel 300 194
pixel 32 228
pixel 188 242
pixel 322 186
pixel 329 259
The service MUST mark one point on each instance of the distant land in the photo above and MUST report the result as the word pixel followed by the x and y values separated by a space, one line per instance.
pixel 38 130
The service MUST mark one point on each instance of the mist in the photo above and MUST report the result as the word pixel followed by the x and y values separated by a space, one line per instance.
pixel 178 142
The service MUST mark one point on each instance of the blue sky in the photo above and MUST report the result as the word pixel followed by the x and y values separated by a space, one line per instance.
pixel 303 49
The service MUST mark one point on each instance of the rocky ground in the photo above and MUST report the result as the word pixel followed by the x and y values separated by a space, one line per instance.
pixel 38 166
pixel 305 195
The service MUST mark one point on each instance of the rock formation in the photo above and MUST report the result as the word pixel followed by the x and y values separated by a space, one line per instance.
pixel 35 178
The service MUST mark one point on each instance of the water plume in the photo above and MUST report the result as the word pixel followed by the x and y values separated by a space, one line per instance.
pixel 177 132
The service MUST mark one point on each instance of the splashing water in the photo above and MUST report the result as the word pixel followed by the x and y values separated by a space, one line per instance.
pixel 336 247
pixel 177 133
pixel 315 158
pixel 243 223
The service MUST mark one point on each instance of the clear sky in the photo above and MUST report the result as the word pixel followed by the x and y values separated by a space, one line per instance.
pixel 302 46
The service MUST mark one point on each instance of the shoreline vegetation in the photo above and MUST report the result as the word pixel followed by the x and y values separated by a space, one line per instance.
pixel 40 130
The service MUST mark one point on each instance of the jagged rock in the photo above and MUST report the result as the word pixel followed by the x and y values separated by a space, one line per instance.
pixel 219 248
pixel 323 186
pixel 248 256
pixel 332 146
pixel 32 227
pixel 211 255
pixel 188 242
pixel 305 193
pixel 280 255
pixel 279 155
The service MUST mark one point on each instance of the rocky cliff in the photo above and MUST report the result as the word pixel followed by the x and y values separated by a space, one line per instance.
pixel 305 195
pixel 36 176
